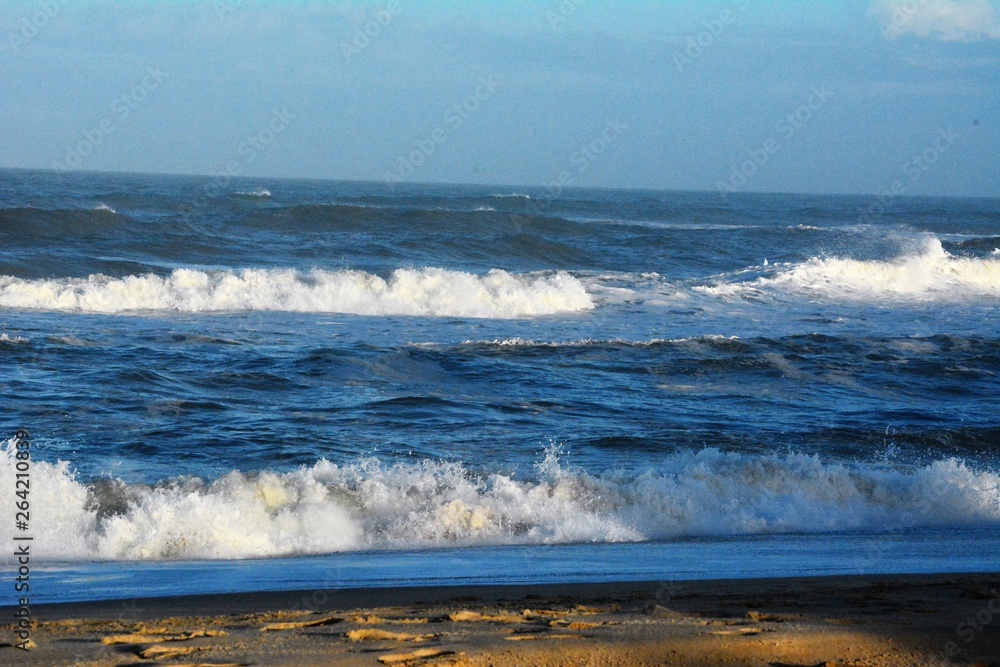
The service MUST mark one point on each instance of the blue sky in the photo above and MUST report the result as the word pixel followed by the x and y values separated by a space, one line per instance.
pixel 746 95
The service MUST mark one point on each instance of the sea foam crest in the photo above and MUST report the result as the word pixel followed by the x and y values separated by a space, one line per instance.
pixel 427 292
pixel 517 342
pixel 371 505
pixel 13 340
pixel 932 274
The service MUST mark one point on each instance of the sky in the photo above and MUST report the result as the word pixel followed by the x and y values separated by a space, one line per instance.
pixel 854 97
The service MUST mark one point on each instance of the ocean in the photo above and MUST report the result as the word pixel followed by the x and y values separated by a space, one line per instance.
pixel 247 384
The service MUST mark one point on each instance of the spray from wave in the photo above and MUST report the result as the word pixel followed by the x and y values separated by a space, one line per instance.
pixel 371 505
pixel 419 292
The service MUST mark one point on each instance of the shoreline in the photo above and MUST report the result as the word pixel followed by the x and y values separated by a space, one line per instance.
pixel 838 620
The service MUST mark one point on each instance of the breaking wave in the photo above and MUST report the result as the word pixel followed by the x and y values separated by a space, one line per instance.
pixel 25 224
pixel 371 505
pixel 932 274
pixel 16 340
pixel 420 292
pixel 254 194
pixel 517 342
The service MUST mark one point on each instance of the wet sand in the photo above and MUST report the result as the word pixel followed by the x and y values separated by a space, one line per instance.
pixel 849 621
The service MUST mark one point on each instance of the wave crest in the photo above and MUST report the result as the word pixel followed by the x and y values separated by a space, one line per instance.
pixel 933 274
pixel 419 292
pixel 16 340
pixel 371 505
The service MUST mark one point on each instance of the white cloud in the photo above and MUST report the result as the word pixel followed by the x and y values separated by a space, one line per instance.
pixel 946 20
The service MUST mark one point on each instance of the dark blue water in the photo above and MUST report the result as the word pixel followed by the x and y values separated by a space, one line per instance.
pixel 284 368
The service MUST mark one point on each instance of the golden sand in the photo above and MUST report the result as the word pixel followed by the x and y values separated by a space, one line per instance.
pixel 842 621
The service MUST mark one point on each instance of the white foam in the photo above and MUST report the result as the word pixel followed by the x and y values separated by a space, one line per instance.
pixel 16 340
pixel 932 274
pixel 370 505
pixel 105 207
pixel 263 194
pixel 521 342
pixel 426 292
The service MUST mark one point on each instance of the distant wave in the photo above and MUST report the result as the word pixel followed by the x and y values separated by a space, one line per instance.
pixel 27 222
pixel 16 340
pixel 371 505
pixel 255 194
pixel 932 274
pixel 483 219
pixel 480 225
pixel 614 342
pixel 422 292
pixel 977 245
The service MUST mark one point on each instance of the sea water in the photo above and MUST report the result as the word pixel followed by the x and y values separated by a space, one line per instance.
pixel 218 372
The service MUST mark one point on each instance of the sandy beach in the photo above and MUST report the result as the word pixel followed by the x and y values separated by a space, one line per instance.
pixel 850 621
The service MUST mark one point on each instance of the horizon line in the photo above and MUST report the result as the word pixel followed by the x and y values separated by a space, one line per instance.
pixel 541 187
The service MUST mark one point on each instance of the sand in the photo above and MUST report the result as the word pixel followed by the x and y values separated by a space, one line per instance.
pixel 849 621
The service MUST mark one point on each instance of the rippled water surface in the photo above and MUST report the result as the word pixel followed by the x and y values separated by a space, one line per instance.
pixel 296 367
